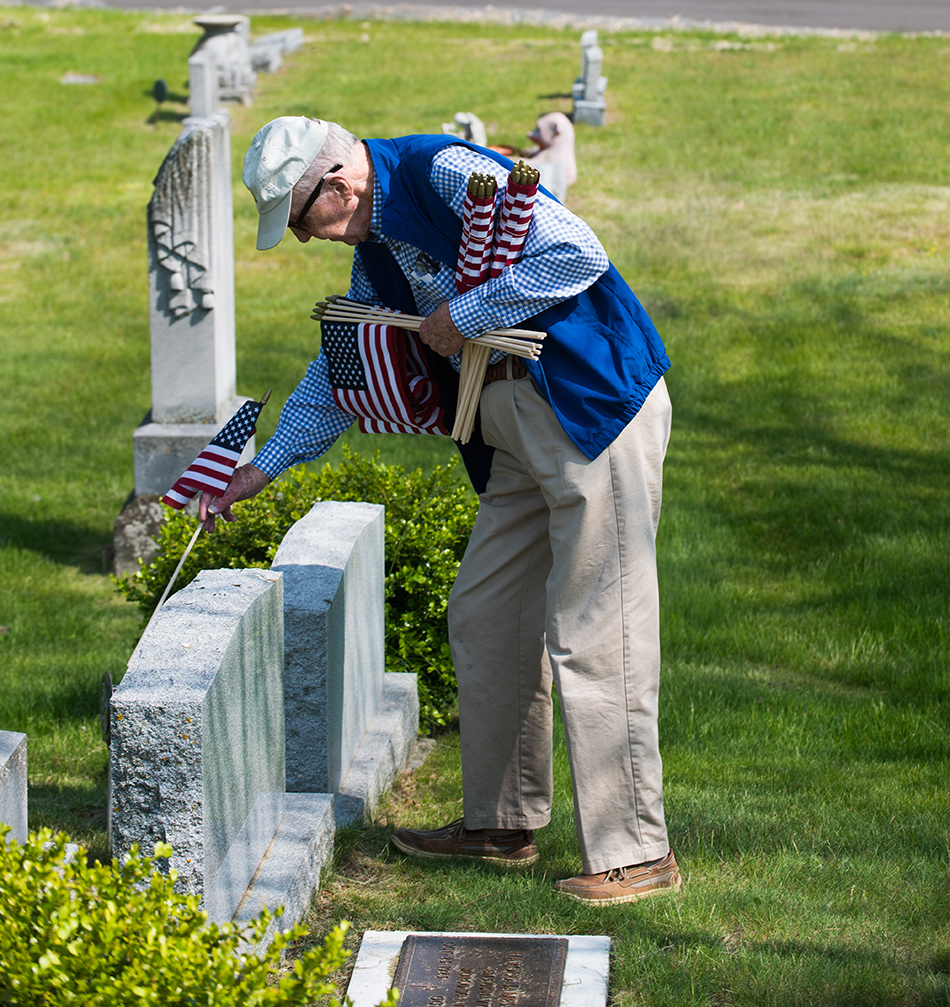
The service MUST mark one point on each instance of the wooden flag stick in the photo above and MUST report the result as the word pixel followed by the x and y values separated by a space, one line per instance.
pixel 475 356
pixel 168 587
pixel 475 352
pixel 174 576
pixel 335 313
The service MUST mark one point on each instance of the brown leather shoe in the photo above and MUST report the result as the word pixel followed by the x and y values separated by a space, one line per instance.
pixel 511 848
pixel 624 884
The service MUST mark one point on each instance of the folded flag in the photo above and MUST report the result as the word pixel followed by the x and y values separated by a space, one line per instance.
pixel 478 232
pixel 379 374
pixel 517 208
pixel 211 471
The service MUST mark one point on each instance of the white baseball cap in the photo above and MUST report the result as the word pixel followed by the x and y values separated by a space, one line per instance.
pixel 277 158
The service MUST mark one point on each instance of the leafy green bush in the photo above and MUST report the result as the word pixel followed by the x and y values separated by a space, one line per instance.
pixel 428 522
pixel 119 935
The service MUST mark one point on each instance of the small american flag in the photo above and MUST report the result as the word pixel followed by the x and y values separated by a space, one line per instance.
pixel 211 471
pixel 513 223
pixel 379 374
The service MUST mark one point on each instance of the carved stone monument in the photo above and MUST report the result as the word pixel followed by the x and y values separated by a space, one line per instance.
pixel 191 304
pixel 588 90
pixel 227 38
pixel 554 155
pixel 204 94
pixel 468 126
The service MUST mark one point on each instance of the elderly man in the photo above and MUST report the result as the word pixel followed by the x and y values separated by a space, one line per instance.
pixel 558 583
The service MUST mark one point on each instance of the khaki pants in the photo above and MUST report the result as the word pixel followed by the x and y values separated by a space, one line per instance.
pixel 559 581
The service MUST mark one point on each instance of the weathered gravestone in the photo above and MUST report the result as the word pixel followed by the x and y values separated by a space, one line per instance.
pixel 468 126
pixel 588 90
pixel 227 39
pixel 198 722
pixel 332 564
pixel 204 93
pixel 555 158
pixel 13 794
pixel 267 53
pixel 197 734
pixel 481 970
pixel 191 307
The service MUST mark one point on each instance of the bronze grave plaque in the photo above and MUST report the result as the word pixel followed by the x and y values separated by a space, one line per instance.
pixel 437 971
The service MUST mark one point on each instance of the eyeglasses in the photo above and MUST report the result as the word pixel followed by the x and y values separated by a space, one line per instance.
pixel 311 199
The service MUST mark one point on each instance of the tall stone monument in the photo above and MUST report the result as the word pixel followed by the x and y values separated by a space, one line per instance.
pixel 191 294
pixel 191 281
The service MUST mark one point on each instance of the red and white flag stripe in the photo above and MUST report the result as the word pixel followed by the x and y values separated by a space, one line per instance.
pixel 210 472
pixel 399 395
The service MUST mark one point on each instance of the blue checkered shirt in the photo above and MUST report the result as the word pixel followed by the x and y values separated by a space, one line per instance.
pixel 561 257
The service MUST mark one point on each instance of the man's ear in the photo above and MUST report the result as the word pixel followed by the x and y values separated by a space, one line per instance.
pixel 339 184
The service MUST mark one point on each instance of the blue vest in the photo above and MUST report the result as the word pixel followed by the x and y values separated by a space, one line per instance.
pixel 602 355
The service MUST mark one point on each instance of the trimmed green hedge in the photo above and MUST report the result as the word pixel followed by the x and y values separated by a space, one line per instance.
pixel 120 936
pixel 428 522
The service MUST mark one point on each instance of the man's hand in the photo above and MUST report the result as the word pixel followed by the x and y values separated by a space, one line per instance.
pixel 247 481
pixel 439 332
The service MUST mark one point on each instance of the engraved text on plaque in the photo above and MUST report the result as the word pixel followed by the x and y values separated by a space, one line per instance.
pixel 436 971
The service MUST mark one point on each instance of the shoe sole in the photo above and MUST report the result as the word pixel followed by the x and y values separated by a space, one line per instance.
pixel 427 855
pixel 673 886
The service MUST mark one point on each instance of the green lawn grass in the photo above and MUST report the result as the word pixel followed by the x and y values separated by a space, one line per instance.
pixel 783 210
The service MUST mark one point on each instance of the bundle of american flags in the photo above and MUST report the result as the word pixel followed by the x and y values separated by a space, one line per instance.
pixel 376 363
pixel 377 366
pixel 478 261
pixel 379 374
pixel 211 471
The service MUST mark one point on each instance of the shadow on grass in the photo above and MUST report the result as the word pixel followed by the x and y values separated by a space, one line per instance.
pixel 176 97
pixel 802 491
pixel 78 811
pixel 809 509
pixel 63 698
pixel 60 541
pixel 759 764
pixel 166 115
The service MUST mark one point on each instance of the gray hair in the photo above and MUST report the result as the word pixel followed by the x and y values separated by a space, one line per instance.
pixel 336 149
